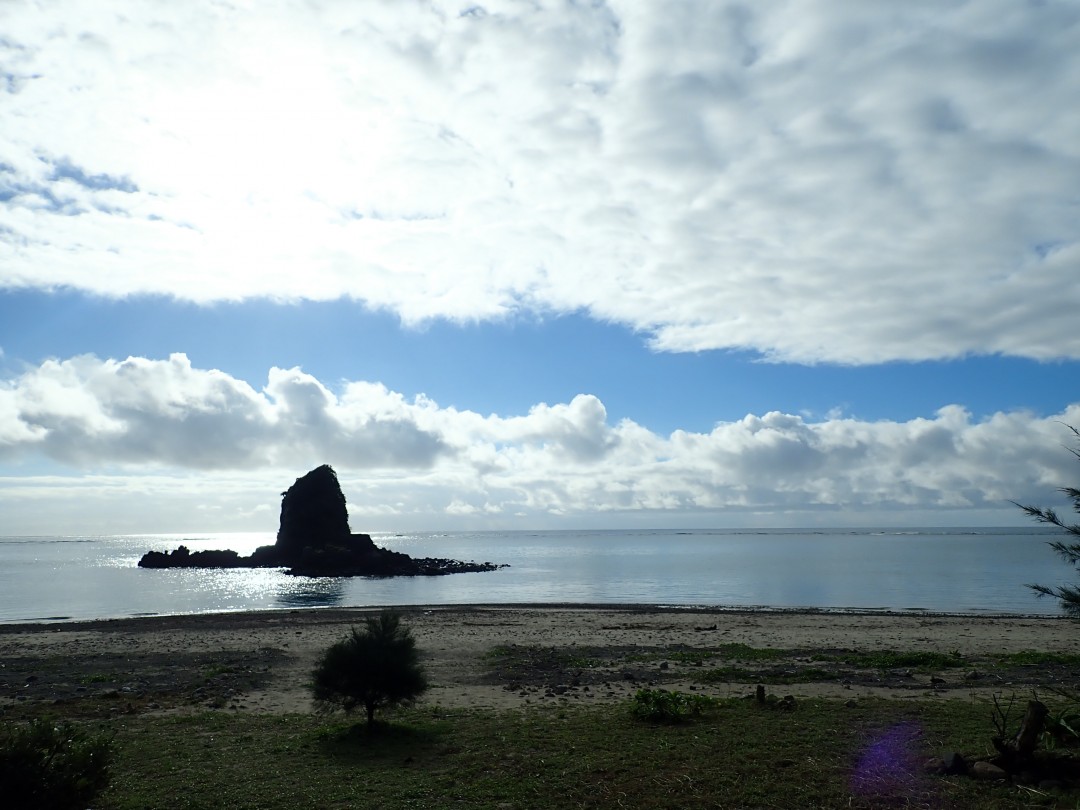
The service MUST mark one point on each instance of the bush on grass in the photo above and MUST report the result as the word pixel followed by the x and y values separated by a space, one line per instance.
pixel 47 764
pixel 662 706
pixel 376 666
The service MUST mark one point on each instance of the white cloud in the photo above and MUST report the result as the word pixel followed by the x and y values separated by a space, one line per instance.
pixel 165 439
pixel 86 412
pixel 813 180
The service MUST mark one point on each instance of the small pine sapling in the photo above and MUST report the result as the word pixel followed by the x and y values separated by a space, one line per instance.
pixel 376 666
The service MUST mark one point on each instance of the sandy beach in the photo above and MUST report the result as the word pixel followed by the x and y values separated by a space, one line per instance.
pixel 507 657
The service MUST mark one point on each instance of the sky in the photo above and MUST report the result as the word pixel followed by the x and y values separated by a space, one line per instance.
pixel 544 264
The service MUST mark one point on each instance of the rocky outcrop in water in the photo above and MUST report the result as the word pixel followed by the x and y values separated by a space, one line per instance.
pixel 314 516
pixel 182 557
pixel 314 539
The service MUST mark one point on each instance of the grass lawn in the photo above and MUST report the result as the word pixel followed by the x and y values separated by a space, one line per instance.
pixel 736 754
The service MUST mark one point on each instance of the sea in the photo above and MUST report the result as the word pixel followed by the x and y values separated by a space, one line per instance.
pixel 934 570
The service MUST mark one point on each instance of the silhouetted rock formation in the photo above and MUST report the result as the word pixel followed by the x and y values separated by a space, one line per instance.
pixel 314 539
pixel 183 558
pixel 314 516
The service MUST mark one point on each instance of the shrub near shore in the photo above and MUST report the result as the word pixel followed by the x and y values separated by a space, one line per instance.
pixel 376 666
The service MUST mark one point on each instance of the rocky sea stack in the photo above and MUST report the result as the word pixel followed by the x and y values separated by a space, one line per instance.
pixel 314 539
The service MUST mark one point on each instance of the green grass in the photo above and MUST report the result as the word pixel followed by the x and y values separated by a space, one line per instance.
pixel 890 659
pixel 744 652
pixel 214 670
pixel 697 657
pixel 1030 658
pixel 733 651
pixel 89 679
pixel 665 706
pixel 734 754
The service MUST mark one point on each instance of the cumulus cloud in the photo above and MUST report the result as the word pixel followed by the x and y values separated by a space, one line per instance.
pixel 197 437
pixel 812 181
pixel 87 412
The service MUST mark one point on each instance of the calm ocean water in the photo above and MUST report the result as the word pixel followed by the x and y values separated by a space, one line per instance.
pixel 939 570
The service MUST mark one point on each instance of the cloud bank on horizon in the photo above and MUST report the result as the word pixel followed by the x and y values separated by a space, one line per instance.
pixel 811 182
pixel 427 465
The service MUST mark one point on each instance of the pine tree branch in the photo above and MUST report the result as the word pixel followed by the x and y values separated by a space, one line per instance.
pixel 1069 552
pixel 1067 595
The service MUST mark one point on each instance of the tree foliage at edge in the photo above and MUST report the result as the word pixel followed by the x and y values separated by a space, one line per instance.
pixel 1068 595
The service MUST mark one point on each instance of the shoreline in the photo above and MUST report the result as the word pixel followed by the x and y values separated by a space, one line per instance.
pixel 518 656
pixel 24 625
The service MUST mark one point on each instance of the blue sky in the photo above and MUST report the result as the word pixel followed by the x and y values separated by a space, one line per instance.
pixel 508 366
pixel 529 265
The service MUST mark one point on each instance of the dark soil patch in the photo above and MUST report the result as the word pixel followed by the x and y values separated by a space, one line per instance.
pixel 518 667
pixel 104 684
